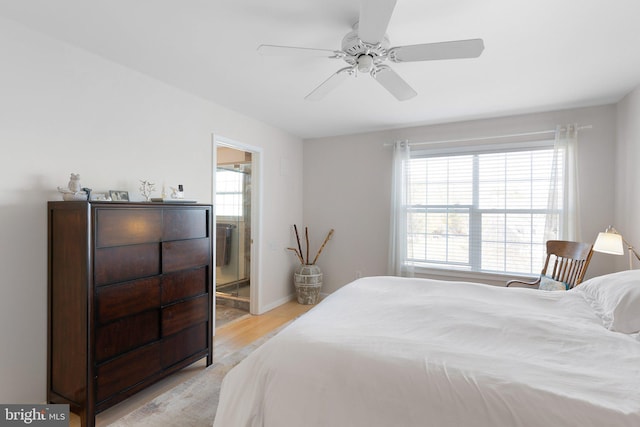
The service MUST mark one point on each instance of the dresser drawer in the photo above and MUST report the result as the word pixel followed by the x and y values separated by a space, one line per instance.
pixel 184 284
pixel 126 263
pixel 126 334
pixel 116 227
pixel 183 344
pixel 180 224
pixel 180 316
pixel 185 254
pixel 127 298
pixel 127 371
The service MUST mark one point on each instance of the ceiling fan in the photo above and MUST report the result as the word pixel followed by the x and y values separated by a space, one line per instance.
pixel 367 47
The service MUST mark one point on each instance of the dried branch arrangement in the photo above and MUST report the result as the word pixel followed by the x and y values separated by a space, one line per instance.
pixel 298 250
pixel 146 188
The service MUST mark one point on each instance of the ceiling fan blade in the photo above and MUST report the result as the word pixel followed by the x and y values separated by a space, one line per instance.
pixel 434 51
pixel 270 49
pixel 374 19
pixel 330 84
pixel 395 84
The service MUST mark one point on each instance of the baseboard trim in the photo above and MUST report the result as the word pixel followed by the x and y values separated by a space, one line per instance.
pixel 277 303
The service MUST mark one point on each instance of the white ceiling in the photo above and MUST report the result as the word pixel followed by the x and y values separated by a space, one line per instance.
pixel 539 55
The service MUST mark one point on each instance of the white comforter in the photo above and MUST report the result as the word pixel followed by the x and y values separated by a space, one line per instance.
pixel 386 351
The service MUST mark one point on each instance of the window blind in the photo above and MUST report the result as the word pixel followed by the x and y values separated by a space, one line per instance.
pixel 481 210
pixel 229 197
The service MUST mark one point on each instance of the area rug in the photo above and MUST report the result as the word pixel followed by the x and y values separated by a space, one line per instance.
pixel 194 402
pixel 225 315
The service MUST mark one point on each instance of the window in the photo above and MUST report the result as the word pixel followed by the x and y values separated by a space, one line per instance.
pixel 484 210
pixel 229 200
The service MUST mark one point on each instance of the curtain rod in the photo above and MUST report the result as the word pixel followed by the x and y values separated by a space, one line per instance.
pixel 482 138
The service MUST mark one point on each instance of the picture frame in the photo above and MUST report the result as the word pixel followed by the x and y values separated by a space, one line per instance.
pixel 119 195
pixel 100 197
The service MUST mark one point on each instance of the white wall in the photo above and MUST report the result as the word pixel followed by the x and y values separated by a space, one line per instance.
pixel 628 172
pixel 347 185
pixel 64 110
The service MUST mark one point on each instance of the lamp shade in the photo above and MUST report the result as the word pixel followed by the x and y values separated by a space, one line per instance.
pixel 609 243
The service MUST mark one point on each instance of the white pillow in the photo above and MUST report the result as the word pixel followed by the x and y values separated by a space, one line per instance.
pixel 616 298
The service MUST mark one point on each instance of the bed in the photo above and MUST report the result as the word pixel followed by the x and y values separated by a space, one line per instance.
pixel 388 351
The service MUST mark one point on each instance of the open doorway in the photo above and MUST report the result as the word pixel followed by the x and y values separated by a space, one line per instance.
pixel 236 208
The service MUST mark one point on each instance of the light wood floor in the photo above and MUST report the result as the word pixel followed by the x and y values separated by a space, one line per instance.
pixel 228 339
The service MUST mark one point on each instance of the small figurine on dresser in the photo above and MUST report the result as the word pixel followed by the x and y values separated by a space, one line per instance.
pixel 177 193
pixel 74 190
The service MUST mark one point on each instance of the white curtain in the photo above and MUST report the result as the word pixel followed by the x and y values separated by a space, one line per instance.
pixel 564 187
pixel 398 229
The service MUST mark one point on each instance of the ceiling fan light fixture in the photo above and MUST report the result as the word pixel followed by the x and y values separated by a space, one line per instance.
pixel 365 63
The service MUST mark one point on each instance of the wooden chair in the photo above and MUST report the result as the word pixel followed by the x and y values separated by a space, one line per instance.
pixel 566 262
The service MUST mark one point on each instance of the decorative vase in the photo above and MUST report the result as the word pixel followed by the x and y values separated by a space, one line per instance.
pixel 308 280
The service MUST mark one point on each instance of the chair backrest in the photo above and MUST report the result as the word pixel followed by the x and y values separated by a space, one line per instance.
pixel 567 261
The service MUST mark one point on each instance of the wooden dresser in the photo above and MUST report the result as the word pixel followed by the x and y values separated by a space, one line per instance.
pixel 130 298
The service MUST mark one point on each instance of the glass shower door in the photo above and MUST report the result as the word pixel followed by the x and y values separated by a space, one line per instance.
pixel 233 235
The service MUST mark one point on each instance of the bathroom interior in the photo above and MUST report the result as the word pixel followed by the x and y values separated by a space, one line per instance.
pixel 233 232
